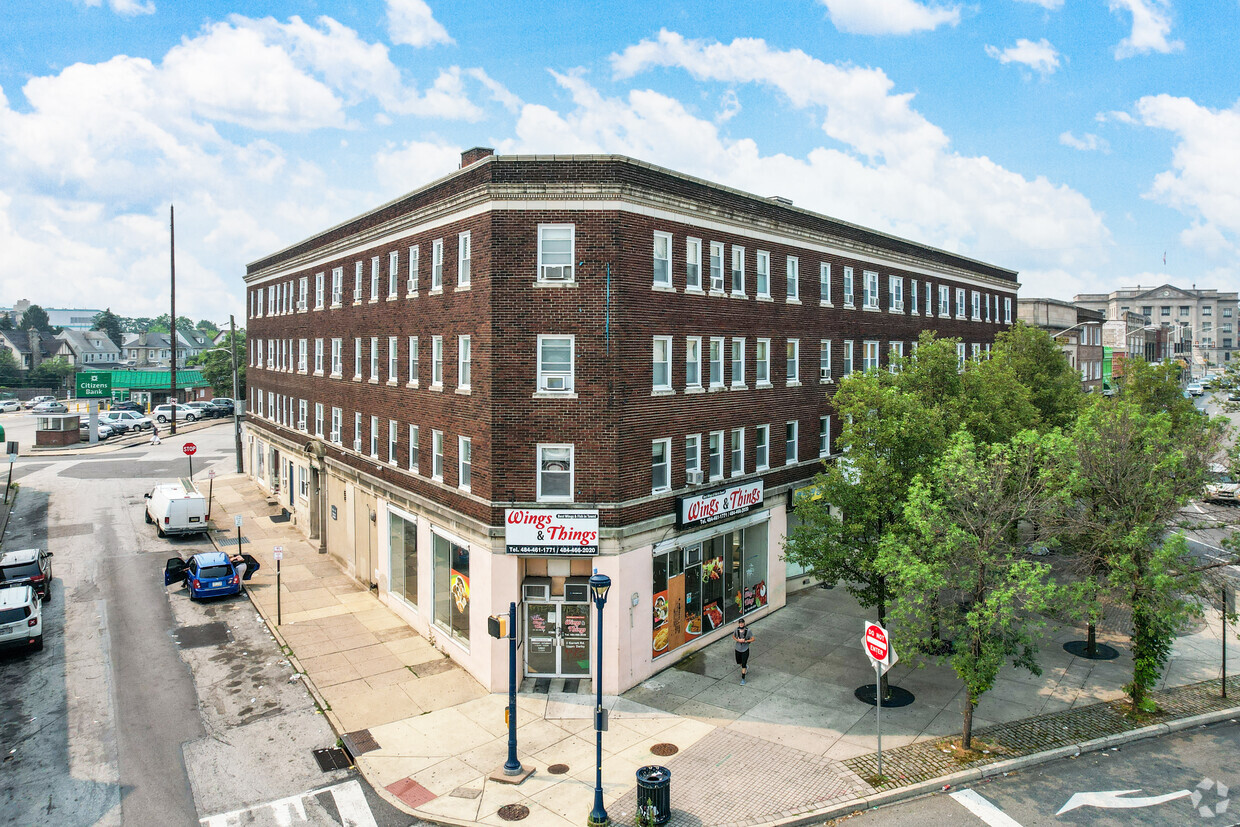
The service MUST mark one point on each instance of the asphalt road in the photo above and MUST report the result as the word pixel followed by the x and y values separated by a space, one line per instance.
pixel 1162 773
pixel 146 708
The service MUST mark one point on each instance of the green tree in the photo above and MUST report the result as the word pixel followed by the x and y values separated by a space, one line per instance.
pixel 1134 471
pixel 208 327
pixel 216 366
pixel 53 372
pixel 109 323
pixel 35 318
pixel 6 321
pixel 1041 366
pixel 1156 388
pixel 958 565
pixel 10 370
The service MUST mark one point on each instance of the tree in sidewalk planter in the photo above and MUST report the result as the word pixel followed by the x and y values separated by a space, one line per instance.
pixel 959 565
pixel 1134 470
pixel 1041 365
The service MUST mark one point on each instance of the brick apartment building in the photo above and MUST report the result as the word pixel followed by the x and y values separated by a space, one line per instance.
pixel 539 366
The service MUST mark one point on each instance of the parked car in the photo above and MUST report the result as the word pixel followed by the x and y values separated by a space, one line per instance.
pixel 175 509
pixel 32 403
pixel 127 406
pixel 52 407
pixel 1233 395
pixel 1221 487
pixel 225 405
pixel 205 410
pixel 27 567
pixel 21 618
pixel 209 574
pixel 134 420
pixel 105 431
pixel 163 413
pixel 10 405
pixel 1195 389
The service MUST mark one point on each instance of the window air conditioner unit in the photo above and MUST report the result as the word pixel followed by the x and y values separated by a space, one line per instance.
pixel 693 477
pixel 577 590
pixel 357 445
pixel 335 436
pixel 555 383
pixel 301 305
pixel 824 374
pixel 301 424
pixel 536 588
pixel 559 272
pixel 411 285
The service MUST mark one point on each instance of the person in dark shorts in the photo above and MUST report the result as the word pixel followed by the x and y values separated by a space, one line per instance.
pixel 743 636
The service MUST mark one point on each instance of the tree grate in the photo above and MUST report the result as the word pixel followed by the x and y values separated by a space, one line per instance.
pixel 513 812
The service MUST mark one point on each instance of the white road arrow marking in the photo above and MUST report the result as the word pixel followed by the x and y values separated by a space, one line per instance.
pixel 983 809
pixel 1110 800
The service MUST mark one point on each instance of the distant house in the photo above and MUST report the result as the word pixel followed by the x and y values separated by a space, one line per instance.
pixel 154 350
pixel 30 348
pixel 91 349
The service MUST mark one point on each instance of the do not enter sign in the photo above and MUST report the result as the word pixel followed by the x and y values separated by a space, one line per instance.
pixel 876 641
pixel 189 449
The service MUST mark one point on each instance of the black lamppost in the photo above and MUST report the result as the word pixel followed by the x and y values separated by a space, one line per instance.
pixel 599 584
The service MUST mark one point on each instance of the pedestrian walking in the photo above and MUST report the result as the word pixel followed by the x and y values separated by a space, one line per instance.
pixel 154 434
pixel 743 636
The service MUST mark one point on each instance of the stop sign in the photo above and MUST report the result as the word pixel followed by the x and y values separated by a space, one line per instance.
pixel 190 448
pixel 876 641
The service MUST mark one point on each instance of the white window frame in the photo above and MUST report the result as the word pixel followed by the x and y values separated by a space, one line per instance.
pixel 849 288
pixel 303 355
pixel 693 452
pixel 718 277
pixel 960 299
pixel 849 353
pixel 666 363
pixel 415 434
pixel 318 290
pixel 337 358
pixel 717 344
pixel 374 437
pixel 463 256
pixel 790 457
pixel 714 450
pixel 336 434
pixel 960 357
pixel 666 464
pixel 895 294
pixel 303 412
pixel 928 309
pixel 464 463
pixel 563 381
pixel 945 301
pixel 792 361
pixel 564 273
pixel 693 265
pixel 824 436
pixel 1007 309
pixel 393 359
pixel 870 359
pixel 357 431
pixel 374 358
pixel 392 438
pixel 437 455
pixel 762 274
pixel 913 296
pixel 393 274
pixel 411 279
pixel 976 305
pixel 792 272
pixel 413 362
pixel 871 289
pixel 693 363
pixel 538 472
pixel 762 448
pixel 661 240
pixel 318 419
pixel 464 362
pixel 824 284
pixel 762 363
pixel 737 446
pixel 437 362
pixel 738 273
pixel 357 358
pixel 374 278
pixel 824 361
pixel 738 364
pixel 337 286
pixel 896 348
pixel 437 265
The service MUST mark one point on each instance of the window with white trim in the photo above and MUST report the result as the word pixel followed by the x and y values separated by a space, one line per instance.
pixel 762 274
pixel 896 350
pixel 738 363
pixel 987 302
pixel 437 455
pixel 824 436
pixel 374 358
pixel 413 361
pixel 392 441
pixel 436 361
pixel 871 289
pixel 895 294
pixel 662 259
pixel 337 285
pixel 555 364
pixel 660 465
pixel 792 431
pixel 792 269
pixel 848 356
pixel 869 355
pixel 661 375
pixel 464 356
pixel 464 462
pixel 945 307
pixel 977 305
pixel 824 360
pixel 714 455
pixel 411 281
pixel 357 281
pixel 337 426
pixel 848 287
pixel 414 435
pixel 1007 310
pixel 357 430
pixel 337 357
pixel 303 285
pixel 357 358
pixel 960 356
pixel 462 261
pixel 824 282
pixel 737 467
pixel 555 252
pixel 960 311
pixel 693 453
pixel 318 419
pixel 393 357
pixel 374 437
pixel 912 296
pixel 716 361
pixel 792 361
pixel 693 264
pixel 318 291
pixel 303 408
pixel 762 362
pixel 716 267
pixel 762 447
pixel 437 264
pixel 303 346
pixel 374 278
pixel 393 274
pixel 738 270
pixel 555 473
pixel 693 362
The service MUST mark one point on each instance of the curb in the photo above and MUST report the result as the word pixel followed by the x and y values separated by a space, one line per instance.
pixel 1000 767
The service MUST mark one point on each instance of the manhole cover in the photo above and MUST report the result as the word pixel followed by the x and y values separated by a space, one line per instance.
pixel 203 634
pixel 513 812
pixel 557 769
pixel 665 750
pixel 359 742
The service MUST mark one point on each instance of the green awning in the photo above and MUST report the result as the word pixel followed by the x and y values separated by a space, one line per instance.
pixel 157 379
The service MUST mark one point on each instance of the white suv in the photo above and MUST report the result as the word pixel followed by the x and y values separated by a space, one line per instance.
pixel 21 618
pixel 163 413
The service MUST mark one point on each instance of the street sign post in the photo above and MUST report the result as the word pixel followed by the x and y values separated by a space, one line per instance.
pixel 278 553
pixel 190 449
pixel 878 649
pixel 211 496
pixel 12 459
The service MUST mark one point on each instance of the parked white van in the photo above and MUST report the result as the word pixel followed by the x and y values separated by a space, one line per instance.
pixel 176 508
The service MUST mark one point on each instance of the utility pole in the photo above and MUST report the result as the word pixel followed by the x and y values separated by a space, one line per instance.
pixel 172 228
pixel 232 326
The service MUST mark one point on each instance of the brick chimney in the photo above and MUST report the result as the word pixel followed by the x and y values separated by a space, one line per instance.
pixel 473 156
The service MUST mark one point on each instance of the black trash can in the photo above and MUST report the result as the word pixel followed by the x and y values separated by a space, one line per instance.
pixel 654 790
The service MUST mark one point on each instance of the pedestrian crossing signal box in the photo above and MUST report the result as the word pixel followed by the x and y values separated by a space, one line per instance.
pixel 497 626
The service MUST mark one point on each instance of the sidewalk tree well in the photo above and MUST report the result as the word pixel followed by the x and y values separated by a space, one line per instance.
pixel 959 566
pixel 1041 365
pixel 1133 472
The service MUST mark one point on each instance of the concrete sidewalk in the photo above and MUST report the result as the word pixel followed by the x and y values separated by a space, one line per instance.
pixel 795 731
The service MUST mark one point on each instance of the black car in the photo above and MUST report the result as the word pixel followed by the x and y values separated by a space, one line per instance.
pixel 27 567
pixel 127 406
pixel 225 406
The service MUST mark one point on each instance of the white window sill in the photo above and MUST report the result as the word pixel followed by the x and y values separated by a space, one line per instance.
pixel 827 381
pixel 462 288
pixel 961 319
pixel 412 295
pixel 824 303
pixel 436 386
pixel 335 306
pixel 695 389
pixel 663 392
pixel 317 308
pixel 336 376
pixel 763 299
pixel 356 301
pixel 318 373
pixel 374 380
pixel 763 385
pixel 697 291
pixel 373 300
pixel 663 288
pixel 391 383
pixel 435 291
pixel 794 383
pixel 554 395
pixel 719 293
pixel 411 384
pixel 850 306
pixel 714 388
pixel 392 297
pixel 793 300
pixel 555 284
pixel 872 309
pixel 734 295
pixel 736 387
pixel 899 310
pixel 465 391
pixel 357 377
pixel 654 491
pixel 437 479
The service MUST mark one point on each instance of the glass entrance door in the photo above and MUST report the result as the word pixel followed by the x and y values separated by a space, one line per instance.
pixel 557 639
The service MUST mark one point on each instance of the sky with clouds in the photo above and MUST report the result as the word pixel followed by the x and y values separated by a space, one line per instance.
pixel 1079 143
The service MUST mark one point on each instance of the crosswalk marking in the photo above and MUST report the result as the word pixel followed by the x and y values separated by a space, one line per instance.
pixel 349 798
pixel 983 809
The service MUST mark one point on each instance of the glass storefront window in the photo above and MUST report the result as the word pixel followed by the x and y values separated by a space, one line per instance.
pixel 403 559
pixel 451 587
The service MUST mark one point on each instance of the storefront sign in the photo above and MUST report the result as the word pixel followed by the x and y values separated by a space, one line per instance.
pixel 719 505
pixel 806 493
pixel 551 531
pixel 94 384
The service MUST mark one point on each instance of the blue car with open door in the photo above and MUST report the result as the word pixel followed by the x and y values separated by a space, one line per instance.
pixel 209 574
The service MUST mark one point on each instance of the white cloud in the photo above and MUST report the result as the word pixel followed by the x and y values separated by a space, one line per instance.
pixel 129 8
pixel 729 106
pixel 967 204
pixel 1208 239
pixel 1151 24
pixel 1041 56
pixel 411 22
pixel 413 164
pixel 499 92
pixel 888 16
pixel 1204 181
pixel 1088 142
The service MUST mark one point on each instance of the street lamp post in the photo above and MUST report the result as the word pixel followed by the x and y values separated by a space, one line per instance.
pixel 599 585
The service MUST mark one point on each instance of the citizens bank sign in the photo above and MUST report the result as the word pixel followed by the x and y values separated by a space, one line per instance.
pixel 718 505
pixel 551 531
